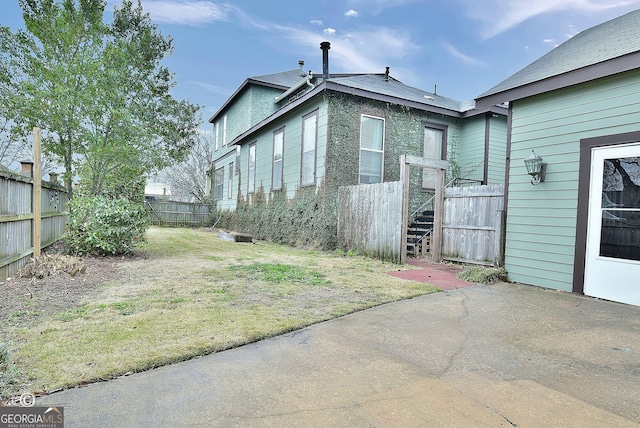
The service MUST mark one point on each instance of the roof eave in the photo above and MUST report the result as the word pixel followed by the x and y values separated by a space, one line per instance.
pixel 490 109
pixel 582 75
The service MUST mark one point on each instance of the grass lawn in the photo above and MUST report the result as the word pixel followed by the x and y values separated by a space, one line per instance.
pixel 187 294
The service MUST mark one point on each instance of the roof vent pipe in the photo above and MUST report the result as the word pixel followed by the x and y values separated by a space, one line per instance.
pixel 301 64
pixel 386 74
pixel 325 46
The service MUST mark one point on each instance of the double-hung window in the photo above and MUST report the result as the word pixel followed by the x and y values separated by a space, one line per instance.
pixel 218 186
pixel 238 158
pixel 278 153
pixel 216 131
pixel 251 174
pixel 434 147
pixel 224 130
pixel 229 186
pixel 309 142
pixel 371 149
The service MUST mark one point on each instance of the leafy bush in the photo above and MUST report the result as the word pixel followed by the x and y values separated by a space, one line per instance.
pixel 103 226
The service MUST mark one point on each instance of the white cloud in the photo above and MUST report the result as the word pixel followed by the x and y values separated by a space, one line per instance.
pixel 357 51
pixel 514 12
pixel 377 6
pixel 316 22
pixel 186 12
pixel 351 13
pixel 464 58
pixel 329 31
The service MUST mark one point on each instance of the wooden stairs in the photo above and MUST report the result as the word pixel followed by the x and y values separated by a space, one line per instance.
pixel 419 234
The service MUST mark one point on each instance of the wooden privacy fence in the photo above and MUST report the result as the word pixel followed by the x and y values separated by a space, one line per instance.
pixel 370 219
pixel 171 213
pixel 17 218
pixel 473 224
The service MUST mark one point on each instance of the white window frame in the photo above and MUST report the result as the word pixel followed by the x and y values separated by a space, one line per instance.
pixel 216 129
pixel 251 170
pixel 309 181
pixel 278 133
pixel 224 130
pixel 230 174
pixel 365 149
pixel 218 184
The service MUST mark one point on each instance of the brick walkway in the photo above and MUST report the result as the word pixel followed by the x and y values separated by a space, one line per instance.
pixel 441 275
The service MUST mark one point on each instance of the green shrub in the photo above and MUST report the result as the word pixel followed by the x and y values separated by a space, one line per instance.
pixel 103 226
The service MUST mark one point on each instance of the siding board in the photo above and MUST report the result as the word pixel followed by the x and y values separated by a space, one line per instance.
pixel 553 124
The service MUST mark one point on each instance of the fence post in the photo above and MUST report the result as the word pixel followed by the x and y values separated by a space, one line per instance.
pixel 499 241
pixel 436 244
pixel 37 192
pixel 404 178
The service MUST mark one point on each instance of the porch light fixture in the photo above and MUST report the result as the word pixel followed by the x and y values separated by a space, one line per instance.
pixel 535 167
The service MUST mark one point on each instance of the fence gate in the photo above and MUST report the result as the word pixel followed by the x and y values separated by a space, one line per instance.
pixel 473 224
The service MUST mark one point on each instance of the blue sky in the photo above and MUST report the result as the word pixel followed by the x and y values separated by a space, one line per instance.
pixel 463 46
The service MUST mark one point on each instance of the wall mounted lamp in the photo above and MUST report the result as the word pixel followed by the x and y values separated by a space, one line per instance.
pixel 535 167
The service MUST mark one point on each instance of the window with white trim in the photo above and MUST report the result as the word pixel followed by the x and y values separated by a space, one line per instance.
pixel 238 159
pixel 251 174
pixel 229 185
pixel 278 153
pixel 224 130
pixel 218 185
pixel 371 149
pixel 216 130
pixel 309 143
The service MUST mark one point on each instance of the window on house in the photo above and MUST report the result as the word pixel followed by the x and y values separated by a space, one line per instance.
pixel 309 141
pixel 251 175
pixel 278 152
pixel 434 147
pixel 218 184
pixel 224 130
pixel 230 181
pixel 217 135
pixel 237 160
pixel 371 149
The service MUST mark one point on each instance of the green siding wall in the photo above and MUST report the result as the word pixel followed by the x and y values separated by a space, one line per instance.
pixel 470 149
pixel 541 222
pixel 251 106
pixel 497 150
pixel 292 124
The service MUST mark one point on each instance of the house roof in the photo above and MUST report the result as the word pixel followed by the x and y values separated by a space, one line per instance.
pixel 378 84
pixel 282 80
pixel 378 87
pixel 609 48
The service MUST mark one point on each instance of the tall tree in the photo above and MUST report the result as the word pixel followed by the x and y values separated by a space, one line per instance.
pixel 98 91
pixel 188 178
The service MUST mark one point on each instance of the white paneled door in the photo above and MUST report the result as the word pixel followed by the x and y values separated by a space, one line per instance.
pixel 612 265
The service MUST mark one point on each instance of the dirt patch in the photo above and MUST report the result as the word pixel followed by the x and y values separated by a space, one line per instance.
pixel 48 287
